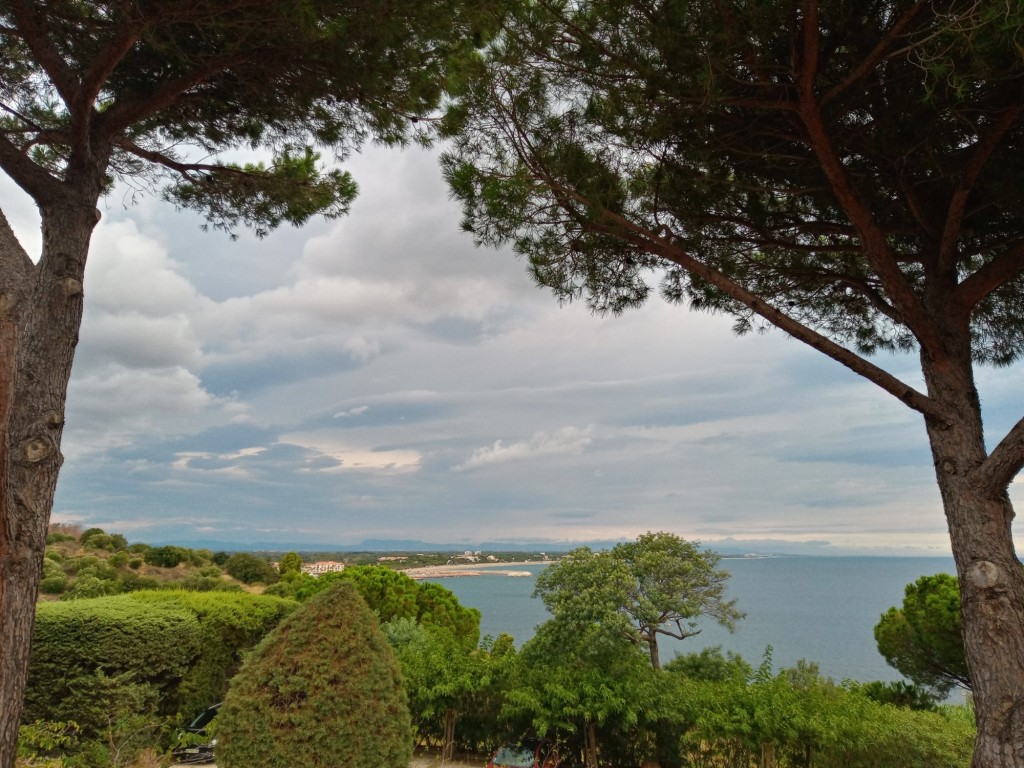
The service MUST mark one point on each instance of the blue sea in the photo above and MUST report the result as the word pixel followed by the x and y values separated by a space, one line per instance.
pixel 821 609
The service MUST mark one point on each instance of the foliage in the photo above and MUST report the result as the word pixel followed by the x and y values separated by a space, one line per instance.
pixel 711 665
pixel 220 557
pixel 322 689
pixel 901 694
pixel 612 141
pixel 814 722
pixel 658 584
pixel 250 569
pixel 446 682
pixel 46 739
pixel 90 656
pixel 923 639
pixel 166 557
pixel 291 563
pixel 394 595
pixel 105 565
pixel 230 624
pixel 571 678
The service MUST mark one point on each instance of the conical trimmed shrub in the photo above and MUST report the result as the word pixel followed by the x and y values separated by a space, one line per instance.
pixel 322 689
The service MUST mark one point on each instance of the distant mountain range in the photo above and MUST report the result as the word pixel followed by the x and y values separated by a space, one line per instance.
pixel 728 547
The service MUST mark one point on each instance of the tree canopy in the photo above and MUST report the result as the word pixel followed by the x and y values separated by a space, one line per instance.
pixel 158 91
pixel 846 172
pixel 659 584
pixel 394 595
pixel 773 150
pixel 923 639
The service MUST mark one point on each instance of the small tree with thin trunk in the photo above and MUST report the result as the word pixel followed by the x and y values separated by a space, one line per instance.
pixel 659 584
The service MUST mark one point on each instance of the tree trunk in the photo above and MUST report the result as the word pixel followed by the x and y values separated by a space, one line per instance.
pixel 590 744
pixel 448 749
pixel 40 315
pixel 991 577
pixel 652 645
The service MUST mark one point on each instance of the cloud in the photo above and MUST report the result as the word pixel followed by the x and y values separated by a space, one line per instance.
pixel 366 377
pixel 568 441
pixel 359 410
pixel 355 457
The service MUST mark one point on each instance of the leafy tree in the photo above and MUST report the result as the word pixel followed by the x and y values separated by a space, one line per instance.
pixel 323 688
pixel 923 639
pixel 394 595
pixel 250 569
pixel 220 558
pixel 437 606
pixel 442 678
pixel 900 694
pixel 659 584
pixel 154 92
pixel 290 563
pixel 165 557
pixel 845 172
pixel 579 679
pixel 710 664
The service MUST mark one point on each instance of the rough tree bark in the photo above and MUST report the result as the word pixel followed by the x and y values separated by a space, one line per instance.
pixel 40 316
pixel 979 515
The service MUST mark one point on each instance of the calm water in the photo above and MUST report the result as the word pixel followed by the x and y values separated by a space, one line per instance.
pixel 822 609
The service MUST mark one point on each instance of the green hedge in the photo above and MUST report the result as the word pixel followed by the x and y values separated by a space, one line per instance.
pixel 168 652
pixel 230 624
pixel 91 657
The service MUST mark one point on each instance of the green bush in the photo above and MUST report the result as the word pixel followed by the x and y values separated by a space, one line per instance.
pixel 230 623
pixel 322 689
pixel 53 585
pixel 165 557
pixel 250 569
pixel 88 534
pixel 51 569
pixel 89 656
pixel 118 559
pixel 88 586
pixel 133 582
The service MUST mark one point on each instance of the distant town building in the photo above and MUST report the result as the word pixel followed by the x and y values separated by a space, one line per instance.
pixel 323 566
pixel 389 558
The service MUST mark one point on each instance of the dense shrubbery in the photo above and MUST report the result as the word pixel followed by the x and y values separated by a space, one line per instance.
pixel 95 661
pixel 394 595
pixel 322 689
pixel 125 668
pixel 230 624
pixel 95 564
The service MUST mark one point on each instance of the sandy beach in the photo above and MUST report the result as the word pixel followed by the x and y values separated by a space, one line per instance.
pixel 472 569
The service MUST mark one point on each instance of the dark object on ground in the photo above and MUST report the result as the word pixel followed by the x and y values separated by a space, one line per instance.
pixel 191 747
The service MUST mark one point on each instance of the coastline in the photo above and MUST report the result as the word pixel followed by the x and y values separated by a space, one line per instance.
pixel 472 569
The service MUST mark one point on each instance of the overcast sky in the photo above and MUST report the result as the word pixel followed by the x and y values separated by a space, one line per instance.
pixel 380 377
